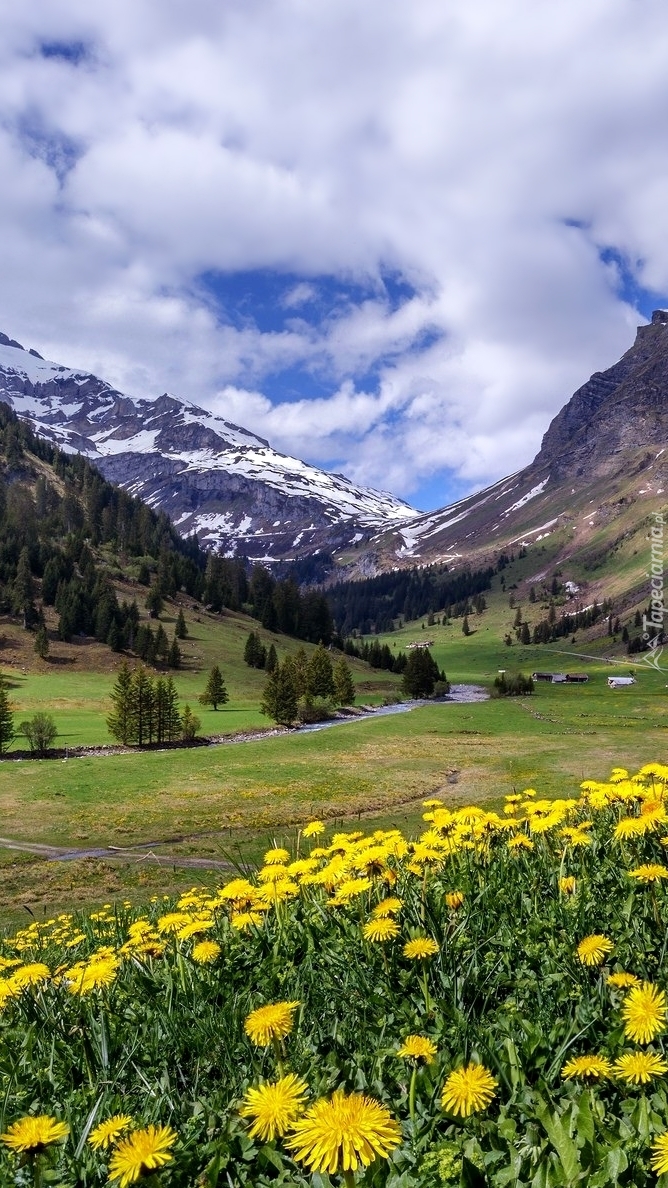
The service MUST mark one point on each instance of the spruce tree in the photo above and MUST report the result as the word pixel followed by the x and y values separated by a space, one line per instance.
pixel 174 655
pixel 465 625
pixel 251 649
pixel 173 724
pixel 320 677
pixel 42 642
pixel 24 591
pixel 279 700
pixel 181 631
pixel 142 707
pixel 344 685
pixel 7 733
pixel 272 659
pixel 215 693
pixel 420 674
pixel 120 721
pixel 161 645
pixel 525 634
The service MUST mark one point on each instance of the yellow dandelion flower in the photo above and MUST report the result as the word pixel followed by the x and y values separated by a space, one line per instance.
pixel 433 802
pixel 420 948
pixel 418 1047
pixel 107 1132
pixel 388 907
pixel 520 842
pixel 381 929
pixel 276 857
pixel 270 1022
pixel 173 921
pixel 468 1089
pixel 638 1068
pixel 273 874
pixel 454 899
pixel 273 893
pixel 644 1013
pixel 344 1133
pixel 92 975
pixel 650 872
pixel 350 889
pixel 593 949
pixel 313 829
pixel 31 975
pixel 206 952
pixel 237 891
pixel 630 827
pixel 623 981
pixel 141 1152
pixel 659 1161
pixel 274 1106
pixel 567 885
pixel 195 928
pixel 33 1133
pixel 587 1067
pixel 243 920
pixel 7 991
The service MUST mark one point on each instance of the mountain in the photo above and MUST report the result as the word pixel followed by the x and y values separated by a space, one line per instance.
pixel 211 477
pixel 601 471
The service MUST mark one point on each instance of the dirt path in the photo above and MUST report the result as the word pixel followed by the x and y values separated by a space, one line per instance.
pixel 139 853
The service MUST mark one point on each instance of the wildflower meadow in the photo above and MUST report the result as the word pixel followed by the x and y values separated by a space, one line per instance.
pixel 483 1005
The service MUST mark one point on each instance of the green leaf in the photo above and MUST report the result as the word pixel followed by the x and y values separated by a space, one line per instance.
pixel 472 1177
pixel 584 1119
pixel 562 1143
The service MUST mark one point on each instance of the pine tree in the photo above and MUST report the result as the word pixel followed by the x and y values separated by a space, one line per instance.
pixel 154 603
pixel 344 685
pixel 525 634
pixel 181 631
pixel 251 649
pixel 120 720
pixel 161 645
pixel 279 700
pixel 142 706
pixel 420 674
pixel 271 662
pixel 173 723
pixel 465 625
pixel 320 677
pixel 215 693
pixel 7 732
pixel 174 655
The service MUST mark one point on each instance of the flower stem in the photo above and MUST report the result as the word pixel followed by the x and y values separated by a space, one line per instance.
pixel 278 1054
pixel 425 983
pixel 411 1096
pixel 349 1178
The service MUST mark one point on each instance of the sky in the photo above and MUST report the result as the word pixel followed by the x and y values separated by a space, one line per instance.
pixel 391 238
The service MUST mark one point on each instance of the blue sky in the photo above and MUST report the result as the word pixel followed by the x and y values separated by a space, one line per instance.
pixel 391 239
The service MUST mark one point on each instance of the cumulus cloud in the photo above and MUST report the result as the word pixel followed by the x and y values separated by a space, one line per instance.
pixel 504 165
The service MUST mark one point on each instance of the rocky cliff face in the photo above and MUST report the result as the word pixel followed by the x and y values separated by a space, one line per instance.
pixel 210 476
pixel 617 410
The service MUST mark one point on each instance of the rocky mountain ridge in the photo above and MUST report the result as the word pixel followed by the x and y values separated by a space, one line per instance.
pixel 210 476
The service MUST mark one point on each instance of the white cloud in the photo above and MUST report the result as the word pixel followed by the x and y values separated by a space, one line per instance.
pixel 450 142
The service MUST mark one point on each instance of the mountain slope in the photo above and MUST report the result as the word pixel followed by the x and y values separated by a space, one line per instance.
pixel 601 471
pixel 210 476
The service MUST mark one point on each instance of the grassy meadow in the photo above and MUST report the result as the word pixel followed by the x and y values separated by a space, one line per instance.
pixel 225 803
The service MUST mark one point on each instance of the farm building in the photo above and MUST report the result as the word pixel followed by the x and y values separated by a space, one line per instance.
pixel 620 682
pixel 561 678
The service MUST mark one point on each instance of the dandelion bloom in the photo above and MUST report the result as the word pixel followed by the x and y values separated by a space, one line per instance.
pixel 630 827
pixel 650 872
pixel 107 1132
pixel 384 928
pixel 387 907
pixel 567 885
pixel 644 1012
pixel 593 949
pixel 420 948
pixel 660 1154
pixel 587 1067
pixel 274 1107
pixel 454 899
pixel 92 975
pixel 623 981
pixel 34 1133
pixel 418 1047
pixel 8 990
pixel 639 1067
pixel 521 842
pixel 468 1089
pixel 141 1152
pixel 313 829
pixel 344 1133
pixel 205 952
pixel 270 1022
pixel 276 857
pixel 243 920
pixel 31 975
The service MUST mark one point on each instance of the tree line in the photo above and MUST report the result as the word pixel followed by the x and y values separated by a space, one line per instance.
pixel 374 604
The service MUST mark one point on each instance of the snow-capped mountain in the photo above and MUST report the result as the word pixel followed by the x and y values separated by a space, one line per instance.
pixel 210 476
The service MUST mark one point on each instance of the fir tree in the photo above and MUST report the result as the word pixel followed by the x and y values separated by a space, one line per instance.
pixel 525 634
pixel 421 674
pixel 7 732
pixel 190 724
pixel 174 655
pixel 173 724
pixel 181 631
pixel 279 700
pixel 465 625
pixel 215 693
pixel 42 642
pixel 271 663
pixel 120 720
pixel 24 591
pixel 319 676
pixel 161 645
pixel 154 603
pixel 344 685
